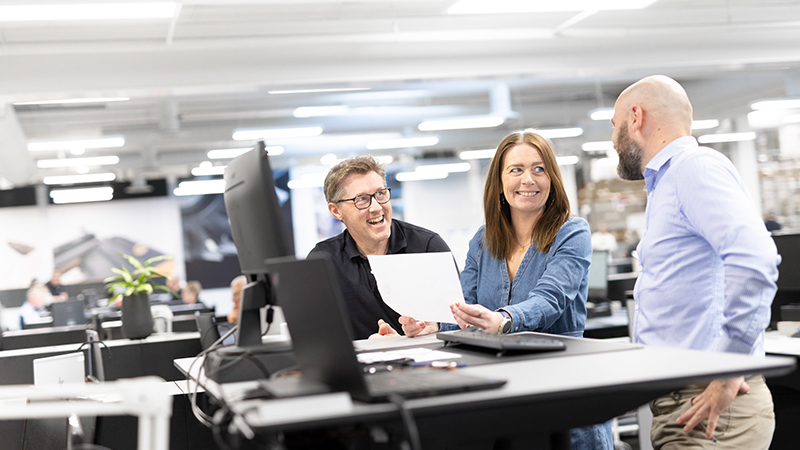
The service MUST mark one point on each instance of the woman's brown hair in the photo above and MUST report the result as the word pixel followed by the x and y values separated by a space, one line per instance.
pixel 499 237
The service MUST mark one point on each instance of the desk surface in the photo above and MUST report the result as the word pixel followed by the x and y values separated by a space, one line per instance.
pixel 777 344
pixel 543 394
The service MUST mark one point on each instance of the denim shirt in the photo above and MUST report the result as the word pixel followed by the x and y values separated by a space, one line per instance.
pixel 548 293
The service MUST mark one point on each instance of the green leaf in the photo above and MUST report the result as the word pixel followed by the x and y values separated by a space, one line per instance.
pixel 150 261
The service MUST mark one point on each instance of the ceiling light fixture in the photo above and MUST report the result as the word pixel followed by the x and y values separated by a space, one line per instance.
pixel 275 133
pixel 425 141
pixel 311 91
pixel 569 160
pixel 557 133
pixel 726 137
pixel 76 162
pixel 78 179
pixel 97 194
pixel 530 6
pixel 308 180
pixel 789 103
pixel 421 176
pixel 449 168
pixel 203 171
pixel 106 142
pixel 320 111
pixel 461 123
pixel 73 101
pixel 87 11
pixel 601 113
pixel 477 154
pixel 200 187
pixel 706 124
pixel 793 118
pixel 597 146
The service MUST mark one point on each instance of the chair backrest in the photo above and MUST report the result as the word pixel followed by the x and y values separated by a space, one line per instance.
pixel 207 326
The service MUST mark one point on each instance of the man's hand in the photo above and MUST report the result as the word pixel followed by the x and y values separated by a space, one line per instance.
pixel 384 329
pixel 413 327
pixel 711 403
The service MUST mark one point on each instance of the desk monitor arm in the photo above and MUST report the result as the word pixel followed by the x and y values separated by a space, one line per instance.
pixel 255 296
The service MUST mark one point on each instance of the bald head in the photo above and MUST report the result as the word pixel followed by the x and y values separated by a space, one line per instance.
pixel 663 99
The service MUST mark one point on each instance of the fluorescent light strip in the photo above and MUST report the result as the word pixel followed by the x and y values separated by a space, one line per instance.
pixel 477 154
pixel 705 124
pixel 73 101
pixel 726 137
pixel 426 141
pixel 421 176
pixel 108 142
pixel 449 168
pixel 789 103
pixel 230 153
pixel 87 11
pixel 597 146
pixel 77 179
pixel 556 133
pixel 308 180
pixel 461 123
pixel 530 6
pixel 202 187
pixel 206 171
pixel 98 194
pixel 76 162
pixel 793 118
pixel 307 91
pixel 275 133
pixel 320 111
pixel 601 114
pixel 567 160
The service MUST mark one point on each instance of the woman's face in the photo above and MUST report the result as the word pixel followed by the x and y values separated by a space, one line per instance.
pixel 526 184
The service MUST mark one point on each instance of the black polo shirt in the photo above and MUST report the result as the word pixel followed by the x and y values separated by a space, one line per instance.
pixel 359 289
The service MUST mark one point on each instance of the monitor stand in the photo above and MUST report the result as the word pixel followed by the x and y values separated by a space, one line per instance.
pixel 234 363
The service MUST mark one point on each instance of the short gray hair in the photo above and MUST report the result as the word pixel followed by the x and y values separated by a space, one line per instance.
pixel 335 180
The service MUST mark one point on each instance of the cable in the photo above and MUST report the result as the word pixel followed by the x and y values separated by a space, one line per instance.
pixel 410 426
pixel 201 416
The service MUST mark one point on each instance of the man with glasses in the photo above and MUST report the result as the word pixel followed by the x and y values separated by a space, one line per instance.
pixel 357 195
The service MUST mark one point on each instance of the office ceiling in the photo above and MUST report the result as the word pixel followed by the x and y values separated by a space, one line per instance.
pixel 195 78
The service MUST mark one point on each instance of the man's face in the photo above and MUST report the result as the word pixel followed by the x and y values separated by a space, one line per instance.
pixel 370 227
pixel 630 153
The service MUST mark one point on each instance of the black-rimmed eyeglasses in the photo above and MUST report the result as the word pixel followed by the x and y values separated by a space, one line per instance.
pixel 363 201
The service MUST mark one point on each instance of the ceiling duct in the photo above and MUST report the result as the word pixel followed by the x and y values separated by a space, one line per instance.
pixel 16 163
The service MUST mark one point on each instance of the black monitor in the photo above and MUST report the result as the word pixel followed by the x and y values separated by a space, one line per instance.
pixel 788 274
pixel 259 232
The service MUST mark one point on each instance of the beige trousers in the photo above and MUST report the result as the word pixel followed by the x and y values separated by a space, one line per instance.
pixel 747 423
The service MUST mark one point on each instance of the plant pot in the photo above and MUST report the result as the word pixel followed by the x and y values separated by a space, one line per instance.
pixel 137 320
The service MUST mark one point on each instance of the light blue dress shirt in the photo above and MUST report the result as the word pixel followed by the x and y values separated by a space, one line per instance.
pixel 709 265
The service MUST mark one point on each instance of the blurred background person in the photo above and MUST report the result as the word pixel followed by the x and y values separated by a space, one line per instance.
pixel 771 222
pixel 34 307
pixel 237 285
pixel 602 240
pixel 191 293
pixel 56 289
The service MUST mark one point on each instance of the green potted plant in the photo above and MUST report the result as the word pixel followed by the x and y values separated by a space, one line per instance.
pixel 135 288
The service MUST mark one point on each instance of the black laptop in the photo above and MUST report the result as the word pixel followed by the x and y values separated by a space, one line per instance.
pixel 311 299
pixel 69 312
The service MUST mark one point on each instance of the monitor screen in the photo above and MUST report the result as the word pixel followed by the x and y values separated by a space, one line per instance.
pixel 598 277
pixel 257 223
pixel 259 232
pixel 789 249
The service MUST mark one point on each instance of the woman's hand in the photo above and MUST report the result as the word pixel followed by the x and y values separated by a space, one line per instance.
pixel 467 315
pixel 413 328
pixel 384 329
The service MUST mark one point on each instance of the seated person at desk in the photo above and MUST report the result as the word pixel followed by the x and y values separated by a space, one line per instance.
pixel 55 287
pixel 527 269
pixel 34 307
pixel 190 293
pixel 237 285
pixel 357 195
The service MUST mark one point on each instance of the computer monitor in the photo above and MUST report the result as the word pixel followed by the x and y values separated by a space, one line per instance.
pixel 259 232
pixel 598 277
pixel 788 280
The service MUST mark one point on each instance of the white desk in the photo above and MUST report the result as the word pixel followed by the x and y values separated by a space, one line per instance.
pixel 542 395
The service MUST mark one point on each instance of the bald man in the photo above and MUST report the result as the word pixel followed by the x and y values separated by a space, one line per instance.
pixel 709 268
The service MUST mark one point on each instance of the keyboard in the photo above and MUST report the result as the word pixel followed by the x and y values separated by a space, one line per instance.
pixel 516 342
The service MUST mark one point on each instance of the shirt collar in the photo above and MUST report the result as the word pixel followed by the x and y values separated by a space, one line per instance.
pixel 661 160
pixel 397 242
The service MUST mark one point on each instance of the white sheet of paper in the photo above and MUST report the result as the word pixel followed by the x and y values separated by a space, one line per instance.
pixel 418 285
